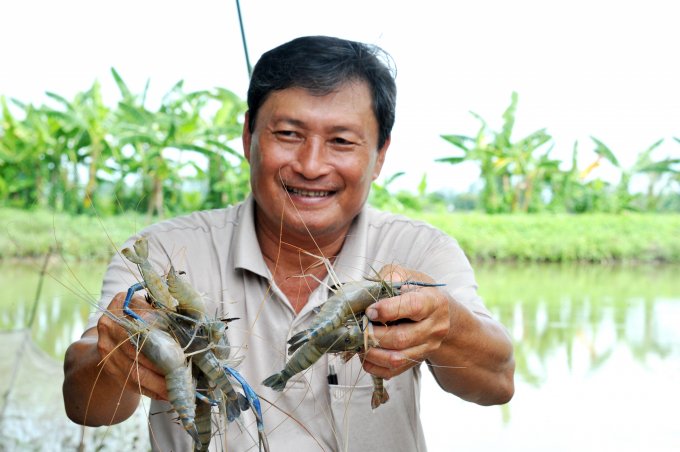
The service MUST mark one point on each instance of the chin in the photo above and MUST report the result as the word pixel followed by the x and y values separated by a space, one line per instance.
pixel 310 224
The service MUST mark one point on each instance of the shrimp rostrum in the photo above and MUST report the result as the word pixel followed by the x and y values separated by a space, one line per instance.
pixel 193 335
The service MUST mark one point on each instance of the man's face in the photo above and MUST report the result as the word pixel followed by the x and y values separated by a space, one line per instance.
pixel 319 151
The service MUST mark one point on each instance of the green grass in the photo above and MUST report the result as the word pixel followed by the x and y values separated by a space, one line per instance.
pixel 80 237
pixel 537 237
pixel 563 237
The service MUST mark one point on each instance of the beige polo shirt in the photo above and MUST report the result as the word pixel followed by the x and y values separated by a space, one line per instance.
pixel 223 260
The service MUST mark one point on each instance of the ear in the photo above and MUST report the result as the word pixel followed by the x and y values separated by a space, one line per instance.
pixel 246 137
pixel 381 157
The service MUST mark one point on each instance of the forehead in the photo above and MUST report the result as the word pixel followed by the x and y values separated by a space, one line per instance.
pixel 350 105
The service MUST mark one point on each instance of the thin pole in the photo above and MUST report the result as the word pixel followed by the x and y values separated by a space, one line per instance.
pixel 37 295
pixel 243 38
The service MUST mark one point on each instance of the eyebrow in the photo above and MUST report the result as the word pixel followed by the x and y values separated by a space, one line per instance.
pixel 302 124
pixel 291 121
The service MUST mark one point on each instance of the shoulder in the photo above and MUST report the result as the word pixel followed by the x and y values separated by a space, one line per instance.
pixel 391 224
pixel 198 222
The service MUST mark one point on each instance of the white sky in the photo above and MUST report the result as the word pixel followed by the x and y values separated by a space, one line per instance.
pixel 610 69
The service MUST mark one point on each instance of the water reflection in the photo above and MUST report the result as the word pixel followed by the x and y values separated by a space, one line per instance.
pixel 550 308
pixel 60 314
pixel 598 360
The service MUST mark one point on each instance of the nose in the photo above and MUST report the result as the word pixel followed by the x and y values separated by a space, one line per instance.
pixel 311 161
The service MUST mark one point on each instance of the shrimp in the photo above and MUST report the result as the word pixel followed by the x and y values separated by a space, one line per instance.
pixel 159 291
pixel 347 339
pixel 203 416
pixel 195 340
pixel 190 302
pixel 350 299
pixel 199 336
pixel 168 357
pixel 342 339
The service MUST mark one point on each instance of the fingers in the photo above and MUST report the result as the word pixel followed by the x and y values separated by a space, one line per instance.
pixel 417 305
pixel 390 363
pixel 396 273
pixel 123 363
pixel 400 347
pixel 404 345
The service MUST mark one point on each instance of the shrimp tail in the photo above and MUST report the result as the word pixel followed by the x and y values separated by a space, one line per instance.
pixel 380 394
pixel 132 257
pixel 181 396
pixel 294 347
pixel 277 382
pixel 297 337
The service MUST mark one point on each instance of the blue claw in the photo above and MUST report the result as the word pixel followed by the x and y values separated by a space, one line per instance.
pixel 134 288
pixel 254 402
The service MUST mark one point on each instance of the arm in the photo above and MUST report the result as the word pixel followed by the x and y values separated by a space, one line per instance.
pixel 471 354
pixel 117 380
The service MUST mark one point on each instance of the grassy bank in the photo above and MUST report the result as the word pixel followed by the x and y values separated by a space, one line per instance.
pixel 564 237
pixel 553 238
pixel 80 237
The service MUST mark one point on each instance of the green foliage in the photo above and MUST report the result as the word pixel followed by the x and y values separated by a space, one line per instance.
pixel 506 237
pixel 518 175
pixel 124 152
pixel 381 198
pixel 512 171
pixel 81 237
pixel 562 237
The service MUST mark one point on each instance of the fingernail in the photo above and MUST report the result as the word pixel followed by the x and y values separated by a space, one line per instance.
pixel 370 313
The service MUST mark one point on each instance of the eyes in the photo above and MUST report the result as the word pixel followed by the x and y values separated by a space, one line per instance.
pixel 293 136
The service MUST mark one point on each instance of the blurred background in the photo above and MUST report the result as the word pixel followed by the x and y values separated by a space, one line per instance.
pixel 544 137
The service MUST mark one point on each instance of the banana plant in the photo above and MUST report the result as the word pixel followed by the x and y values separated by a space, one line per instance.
pixel 655 170
pixel 181 124
pixel 90 121
pixel 509 169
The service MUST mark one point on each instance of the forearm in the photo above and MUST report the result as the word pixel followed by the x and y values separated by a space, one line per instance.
pixel 109 403
pixel 475 360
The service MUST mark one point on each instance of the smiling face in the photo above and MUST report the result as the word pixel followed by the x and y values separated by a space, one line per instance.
pixel 318 151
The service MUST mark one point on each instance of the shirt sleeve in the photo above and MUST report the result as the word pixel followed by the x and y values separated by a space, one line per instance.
pixel 446 262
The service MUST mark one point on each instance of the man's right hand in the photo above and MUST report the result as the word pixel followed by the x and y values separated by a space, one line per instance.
pixel 96 396
pixel 121 360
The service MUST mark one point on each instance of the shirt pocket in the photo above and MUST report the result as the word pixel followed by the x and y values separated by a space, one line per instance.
pixel 358 427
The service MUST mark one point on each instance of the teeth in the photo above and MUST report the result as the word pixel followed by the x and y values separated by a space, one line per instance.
pixel 310 194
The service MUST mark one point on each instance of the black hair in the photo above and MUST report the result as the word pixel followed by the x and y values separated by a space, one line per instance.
pixel 322 65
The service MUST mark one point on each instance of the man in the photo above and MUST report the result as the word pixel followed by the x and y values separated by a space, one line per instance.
pixel 316 135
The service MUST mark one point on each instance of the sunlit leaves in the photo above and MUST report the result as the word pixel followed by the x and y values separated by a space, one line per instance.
pixel 126 147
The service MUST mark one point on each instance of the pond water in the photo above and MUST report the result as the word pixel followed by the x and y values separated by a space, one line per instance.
pixel 597 351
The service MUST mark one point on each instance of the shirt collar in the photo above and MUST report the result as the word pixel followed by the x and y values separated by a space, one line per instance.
pixel 351 264
pixel 247 252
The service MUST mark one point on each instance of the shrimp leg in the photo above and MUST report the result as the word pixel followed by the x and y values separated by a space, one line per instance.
pixel 126 305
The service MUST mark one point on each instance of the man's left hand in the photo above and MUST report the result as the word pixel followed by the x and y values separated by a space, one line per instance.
pixel 406 344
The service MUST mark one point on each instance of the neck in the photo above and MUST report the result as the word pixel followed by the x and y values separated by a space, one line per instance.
pixel 284 253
